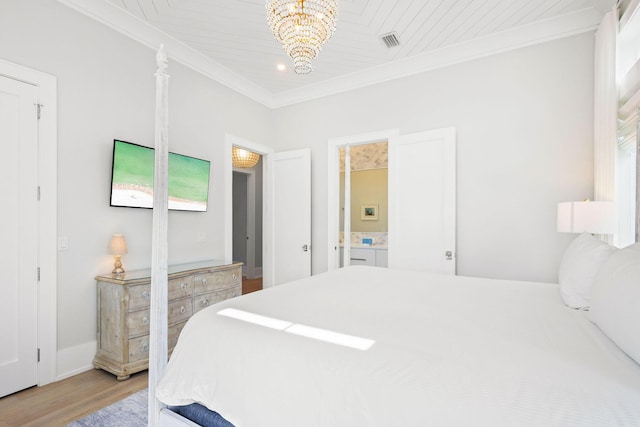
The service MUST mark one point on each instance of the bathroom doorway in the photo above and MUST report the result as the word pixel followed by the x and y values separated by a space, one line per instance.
pixel 364 222
pixel 421 201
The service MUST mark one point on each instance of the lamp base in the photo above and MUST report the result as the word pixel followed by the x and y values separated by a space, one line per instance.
pixel 117 265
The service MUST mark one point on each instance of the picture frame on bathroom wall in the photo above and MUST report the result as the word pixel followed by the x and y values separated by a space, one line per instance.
pixel 369 212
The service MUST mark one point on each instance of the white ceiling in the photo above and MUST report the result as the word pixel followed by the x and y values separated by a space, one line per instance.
pixel 231 39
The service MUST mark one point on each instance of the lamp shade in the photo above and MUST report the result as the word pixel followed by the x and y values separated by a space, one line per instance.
pixel 587 216
pixel 244 159
pixel 117 246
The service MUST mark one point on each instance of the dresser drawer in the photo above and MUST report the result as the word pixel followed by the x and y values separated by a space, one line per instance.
pixel 178 311
pixel 139 297
pixel 205 300
pixel 207 282
pixel 180 287
pixel 139 347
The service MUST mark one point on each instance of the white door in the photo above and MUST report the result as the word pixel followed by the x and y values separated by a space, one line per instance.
pixel 287 221
pixel 422 201
pixel 19 248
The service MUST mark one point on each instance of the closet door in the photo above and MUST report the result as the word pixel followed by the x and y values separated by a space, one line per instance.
pixel 19 250
pixel 422 201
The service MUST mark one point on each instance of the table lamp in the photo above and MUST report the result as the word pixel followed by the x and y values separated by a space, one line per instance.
pixel 587 216
pixel 117 247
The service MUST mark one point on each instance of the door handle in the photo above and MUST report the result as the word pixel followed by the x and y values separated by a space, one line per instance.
pixel 448 255
pixel 305 248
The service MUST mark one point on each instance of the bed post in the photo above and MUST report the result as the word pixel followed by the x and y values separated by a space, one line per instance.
pixel 159 251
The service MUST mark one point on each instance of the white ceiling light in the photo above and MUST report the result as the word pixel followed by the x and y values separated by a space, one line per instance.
pixel 302 27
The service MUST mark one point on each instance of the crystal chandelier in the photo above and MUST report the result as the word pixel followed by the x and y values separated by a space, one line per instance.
pixel 244 159
pixel 302 27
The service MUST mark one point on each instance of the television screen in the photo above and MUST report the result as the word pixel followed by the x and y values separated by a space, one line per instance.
pixel 132 179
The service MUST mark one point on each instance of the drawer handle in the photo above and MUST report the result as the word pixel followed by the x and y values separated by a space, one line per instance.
pixel 145 321
pixel 358 259
pixel 183 286
pixel 145 294
pixel 234 275
pixel 182 310
pixel 145 347
pixel 204 282
pixel 205 302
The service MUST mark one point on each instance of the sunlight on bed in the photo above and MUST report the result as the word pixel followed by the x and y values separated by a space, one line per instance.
pixel 256 319
pixel 331 337
pixel 319 334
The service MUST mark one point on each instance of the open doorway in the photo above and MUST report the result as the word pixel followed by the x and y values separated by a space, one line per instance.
pixel 286 211
pixel 247 223
pixel 364 187
pixel 421 199
pixel 337 229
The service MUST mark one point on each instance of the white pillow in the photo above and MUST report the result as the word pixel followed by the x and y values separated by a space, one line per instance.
pixel 578 268
pixel 615 300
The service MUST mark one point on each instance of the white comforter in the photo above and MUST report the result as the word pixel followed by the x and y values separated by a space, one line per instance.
pixel 449 351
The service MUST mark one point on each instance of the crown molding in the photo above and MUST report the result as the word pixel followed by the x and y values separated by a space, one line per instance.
pixel 539 32
pixel 135 28
pixel 555 28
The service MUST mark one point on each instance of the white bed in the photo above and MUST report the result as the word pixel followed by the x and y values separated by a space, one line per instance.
pixel 448 351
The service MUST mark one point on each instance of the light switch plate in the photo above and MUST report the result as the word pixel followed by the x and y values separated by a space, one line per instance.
pixel 63 243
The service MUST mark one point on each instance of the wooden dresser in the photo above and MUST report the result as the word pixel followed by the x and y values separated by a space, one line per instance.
pixel 123 309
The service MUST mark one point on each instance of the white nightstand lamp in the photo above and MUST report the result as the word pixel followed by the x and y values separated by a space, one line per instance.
pixel 587 216
pixel 117 247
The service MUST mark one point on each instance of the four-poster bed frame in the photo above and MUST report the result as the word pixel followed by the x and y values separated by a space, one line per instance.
pixel 158 347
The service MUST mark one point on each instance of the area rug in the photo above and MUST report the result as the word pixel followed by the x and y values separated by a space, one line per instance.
pixel 128 412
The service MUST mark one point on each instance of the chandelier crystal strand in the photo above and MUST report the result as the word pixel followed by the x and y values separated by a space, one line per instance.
pixel 302 27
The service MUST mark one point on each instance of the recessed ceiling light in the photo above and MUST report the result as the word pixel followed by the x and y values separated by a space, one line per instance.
pixel 281 67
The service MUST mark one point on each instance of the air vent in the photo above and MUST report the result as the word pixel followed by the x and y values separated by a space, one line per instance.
pixel 390 39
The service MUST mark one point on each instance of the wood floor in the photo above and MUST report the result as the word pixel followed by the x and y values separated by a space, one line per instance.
pixel 251 285
pixel 59 403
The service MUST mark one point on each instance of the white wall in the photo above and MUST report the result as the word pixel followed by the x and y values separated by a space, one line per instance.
pixel 106 90
pixel 524 142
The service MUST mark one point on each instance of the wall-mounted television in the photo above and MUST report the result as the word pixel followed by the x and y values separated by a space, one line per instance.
pixel 132 179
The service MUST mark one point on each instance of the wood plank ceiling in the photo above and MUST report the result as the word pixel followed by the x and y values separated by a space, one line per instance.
pixel 235 34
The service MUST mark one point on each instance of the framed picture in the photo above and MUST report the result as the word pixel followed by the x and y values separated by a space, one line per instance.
pixel 369 212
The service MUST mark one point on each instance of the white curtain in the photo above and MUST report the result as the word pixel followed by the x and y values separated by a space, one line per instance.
pixel 605 110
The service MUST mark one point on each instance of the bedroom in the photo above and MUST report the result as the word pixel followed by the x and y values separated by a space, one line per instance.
pixel 525 133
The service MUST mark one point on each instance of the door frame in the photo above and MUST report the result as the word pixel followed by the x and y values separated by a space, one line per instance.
pixel 230 141
pixel 47 223
pixel 333 185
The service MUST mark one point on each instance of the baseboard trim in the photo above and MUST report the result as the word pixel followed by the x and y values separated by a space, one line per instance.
pixel 74 360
